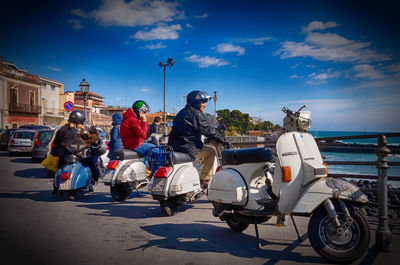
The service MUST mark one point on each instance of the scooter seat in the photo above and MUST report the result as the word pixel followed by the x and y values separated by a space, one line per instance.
pixel 70 159
pixel 246 155
pixel 125 154
pixel 180 158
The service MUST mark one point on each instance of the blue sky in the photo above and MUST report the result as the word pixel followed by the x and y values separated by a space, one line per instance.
pixel 340 58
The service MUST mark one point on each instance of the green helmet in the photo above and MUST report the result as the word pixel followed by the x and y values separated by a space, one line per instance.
pixel 140 106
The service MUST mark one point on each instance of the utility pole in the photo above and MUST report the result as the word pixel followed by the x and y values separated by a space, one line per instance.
pixel 169 63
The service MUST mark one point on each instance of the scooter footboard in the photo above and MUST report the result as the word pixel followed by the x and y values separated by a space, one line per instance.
pixel 326 188
pixel 228 186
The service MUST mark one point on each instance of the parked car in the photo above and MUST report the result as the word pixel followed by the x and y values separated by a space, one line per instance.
pixel 41 144
pixel 21 141
pixel 5 138
pixel 35 127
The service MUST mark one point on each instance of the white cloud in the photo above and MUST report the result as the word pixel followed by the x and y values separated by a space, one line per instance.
pixel 55 69
pixel 331 47
pixel 80 13
pixel 135 12
pixel 318 25
pixel 146 90
pixel 229 47
pixel 189 26
pixel 394 68
pixel 155 46
pixel 206 61
pixel 205 15
pixel 160 33
pixel 367 71
pixel 76 24
pixel 318 79
pixel 258 41
pixel 295 76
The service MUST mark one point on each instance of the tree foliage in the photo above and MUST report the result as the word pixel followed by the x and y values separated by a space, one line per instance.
pixel 237 122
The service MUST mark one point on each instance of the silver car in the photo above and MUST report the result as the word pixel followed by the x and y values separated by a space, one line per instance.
pixel 21 141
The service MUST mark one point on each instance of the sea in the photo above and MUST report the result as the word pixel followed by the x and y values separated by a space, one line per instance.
pixel 358 169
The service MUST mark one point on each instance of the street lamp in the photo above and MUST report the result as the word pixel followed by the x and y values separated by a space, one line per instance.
pixel 169 63
pixel 84 87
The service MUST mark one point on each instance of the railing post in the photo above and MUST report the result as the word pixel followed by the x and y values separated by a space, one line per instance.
pixel 383 233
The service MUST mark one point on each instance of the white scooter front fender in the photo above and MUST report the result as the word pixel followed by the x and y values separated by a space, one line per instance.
pixel 324 189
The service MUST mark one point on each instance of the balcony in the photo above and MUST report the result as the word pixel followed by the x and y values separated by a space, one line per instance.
pixel 52 112
pixel 23 108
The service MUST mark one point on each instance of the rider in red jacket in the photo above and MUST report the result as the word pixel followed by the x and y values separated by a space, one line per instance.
pixel 134 126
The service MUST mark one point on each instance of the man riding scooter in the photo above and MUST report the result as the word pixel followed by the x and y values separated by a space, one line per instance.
pixel 189 125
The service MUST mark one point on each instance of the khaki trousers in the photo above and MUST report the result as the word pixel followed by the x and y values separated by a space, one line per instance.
pixel 207 155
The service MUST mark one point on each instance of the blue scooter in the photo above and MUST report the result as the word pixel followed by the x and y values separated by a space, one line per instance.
pixel 73 177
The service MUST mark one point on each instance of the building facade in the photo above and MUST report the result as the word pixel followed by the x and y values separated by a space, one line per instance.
pixel 52 103
pixel 19 96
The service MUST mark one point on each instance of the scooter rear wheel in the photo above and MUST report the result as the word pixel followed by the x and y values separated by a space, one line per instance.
pixel 170 207
pixel 237 226
pixel 120 192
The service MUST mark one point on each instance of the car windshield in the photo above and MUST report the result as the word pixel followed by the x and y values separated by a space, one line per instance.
pixel 23 135
pixel 45 136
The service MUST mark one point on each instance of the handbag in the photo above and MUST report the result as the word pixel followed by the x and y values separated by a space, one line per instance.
pixel 51 163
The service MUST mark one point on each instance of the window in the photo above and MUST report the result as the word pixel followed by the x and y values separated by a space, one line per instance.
pixel 31 98
pixel 13 97
pixel 53 87
pixel 43 85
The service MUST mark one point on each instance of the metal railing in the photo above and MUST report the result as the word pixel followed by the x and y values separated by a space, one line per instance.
pixel 16 107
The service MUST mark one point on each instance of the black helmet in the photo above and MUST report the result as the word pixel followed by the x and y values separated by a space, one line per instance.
pixel 77 116
pixel 140 106
pixel 195 98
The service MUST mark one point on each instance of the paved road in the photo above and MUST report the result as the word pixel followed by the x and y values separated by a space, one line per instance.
pixel 41 228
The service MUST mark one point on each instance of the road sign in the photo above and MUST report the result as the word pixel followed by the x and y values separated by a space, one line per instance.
pixel 68 105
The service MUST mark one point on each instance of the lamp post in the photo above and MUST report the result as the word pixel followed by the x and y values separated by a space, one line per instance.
pixel 169 63
pixel 84 87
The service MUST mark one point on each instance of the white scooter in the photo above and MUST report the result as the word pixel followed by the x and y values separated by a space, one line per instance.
pixel 125 174
pixel 250 190
pixel 177 181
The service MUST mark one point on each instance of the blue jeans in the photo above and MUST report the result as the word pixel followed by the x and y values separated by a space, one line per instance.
pixel 144 150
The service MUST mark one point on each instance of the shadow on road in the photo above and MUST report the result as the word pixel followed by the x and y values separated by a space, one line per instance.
pixel 26 160
pixel 38 173
pixel 134 208
pixel 209 238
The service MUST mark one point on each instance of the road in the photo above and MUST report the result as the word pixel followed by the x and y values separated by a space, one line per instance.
pixel 41 228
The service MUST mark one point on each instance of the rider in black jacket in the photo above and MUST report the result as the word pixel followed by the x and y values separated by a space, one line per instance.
pixel 189 125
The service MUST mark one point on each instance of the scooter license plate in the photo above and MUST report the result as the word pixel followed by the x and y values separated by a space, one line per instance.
pixel 159 184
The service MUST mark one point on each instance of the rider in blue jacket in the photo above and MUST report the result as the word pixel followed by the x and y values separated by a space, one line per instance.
pixel 115 136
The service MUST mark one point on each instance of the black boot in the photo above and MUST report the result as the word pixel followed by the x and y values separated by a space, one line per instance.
pixel 55 190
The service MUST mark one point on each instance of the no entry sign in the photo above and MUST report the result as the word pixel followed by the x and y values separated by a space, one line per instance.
pixel 68 105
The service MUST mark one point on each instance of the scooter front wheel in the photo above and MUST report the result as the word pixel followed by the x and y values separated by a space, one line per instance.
pixel 170 207
pixel 346 247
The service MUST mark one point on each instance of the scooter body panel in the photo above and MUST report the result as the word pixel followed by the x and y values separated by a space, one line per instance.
pixel 79 177
pixel 129 171
pixel 327 188
pixel 185 179
pixel 228 186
